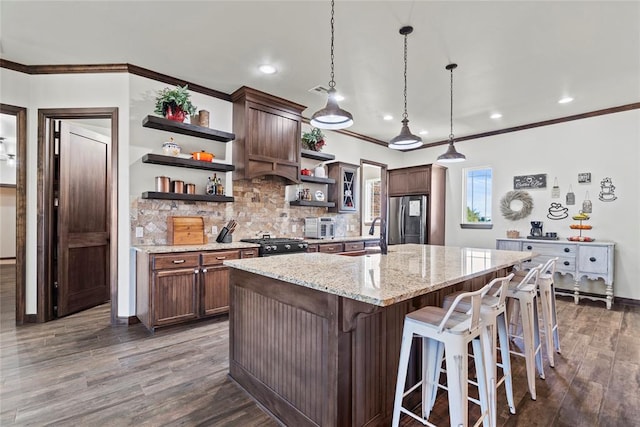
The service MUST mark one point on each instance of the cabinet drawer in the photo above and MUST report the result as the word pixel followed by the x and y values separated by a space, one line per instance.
pixel 505 245
pixel 216 258
pixel 175 260
pixel 249 253
pixel 565 264
pixel 312 248
pixel 353 246
pixel 551 249
pixel 593 259
pixel 330 248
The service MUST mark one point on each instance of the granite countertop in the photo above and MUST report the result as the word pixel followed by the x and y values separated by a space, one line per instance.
pixel 158 249
pixel 405 272
pixel 365 237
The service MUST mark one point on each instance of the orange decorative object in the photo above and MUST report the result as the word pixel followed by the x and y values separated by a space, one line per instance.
pixel 580 227
pixel 203 156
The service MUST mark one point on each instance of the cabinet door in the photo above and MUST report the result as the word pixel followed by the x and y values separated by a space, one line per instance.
pixel 419 180
pixel 174 296
pixel 345 192
pixel 397 182
pixel 215 290
pixel 593 259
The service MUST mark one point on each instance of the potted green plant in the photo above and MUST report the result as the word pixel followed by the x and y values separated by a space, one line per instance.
pixel 174 104
pixel 313 140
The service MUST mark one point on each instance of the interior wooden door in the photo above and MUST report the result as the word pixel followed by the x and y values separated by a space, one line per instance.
pixel 83 220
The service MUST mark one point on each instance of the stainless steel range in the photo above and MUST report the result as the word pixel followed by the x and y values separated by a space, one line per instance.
pixel 270 246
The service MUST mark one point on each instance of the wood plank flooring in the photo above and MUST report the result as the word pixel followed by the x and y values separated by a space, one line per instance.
pixel 80 371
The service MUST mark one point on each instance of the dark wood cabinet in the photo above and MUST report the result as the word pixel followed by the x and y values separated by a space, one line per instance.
pixel 344 193
pixel 178 287
pixel 268 131
pixel 429 180
pixel 352 247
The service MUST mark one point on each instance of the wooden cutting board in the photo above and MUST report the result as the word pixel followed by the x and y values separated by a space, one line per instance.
pixel 185 230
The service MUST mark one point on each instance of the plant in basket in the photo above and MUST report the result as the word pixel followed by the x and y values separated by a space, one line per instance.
pixel 174 104
pixel 313 140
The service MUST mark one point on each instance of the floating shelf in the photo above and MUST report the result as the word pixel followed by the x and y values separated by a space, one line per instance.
pixel 160 123
pixel 312 203
pixel 316 155
pixel 158 159
pixel 317 180
pixel 188 197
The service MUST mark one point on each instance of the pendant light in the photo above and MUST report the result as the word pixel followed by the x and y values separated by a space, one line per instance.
pixel 405 140
pixel 451 154
pixel 332 116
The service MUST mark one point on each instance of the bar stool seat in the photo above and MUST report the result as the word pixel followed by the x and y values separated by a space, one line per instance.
pixel 523 311
pixel 448 332
pixel 494 316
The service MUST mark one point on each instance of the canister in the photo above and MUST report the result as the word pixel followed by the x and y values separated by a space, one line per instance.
pixel 162 184
pixel 177 186
pixel 190 188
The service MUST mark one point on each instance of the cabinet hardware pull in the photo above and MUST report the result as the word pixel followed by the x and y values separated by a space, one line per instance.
pixel 567 263
pixel 592 259
pixel 196 271
pixel 178 261
pixel 567 249
pixel 221 257
pixel 204 270
pixel 529 247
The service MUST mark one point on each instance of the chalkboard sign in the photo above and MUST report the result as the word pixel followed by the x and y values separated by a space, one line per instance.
pixel 530 181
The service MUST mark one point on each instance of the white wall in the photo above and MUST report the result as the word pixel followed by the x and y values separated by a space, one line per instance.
pixel 7 222
pixel 606 146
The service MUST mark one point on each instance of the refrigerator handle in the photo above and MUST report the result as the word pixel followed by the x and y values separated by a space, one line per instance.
pixel 401 222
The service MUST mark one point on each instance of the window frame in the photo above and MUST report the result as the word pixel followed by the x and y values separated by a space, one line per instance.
pixel 475 225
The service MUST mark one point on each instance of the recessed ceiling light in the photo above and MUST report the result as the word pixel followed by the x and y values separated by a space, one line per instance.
pixel 387 117
pixel 423 132
pixel 267 69
pixel 496 115
pixel 565 100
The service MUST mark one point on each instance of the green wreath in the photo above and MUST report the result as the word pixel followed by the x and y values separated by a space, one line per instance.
pixel 505 205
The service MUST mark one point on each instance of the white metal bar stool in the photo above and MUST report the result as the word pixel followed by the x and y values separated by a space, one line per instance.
pixel 450 332
pixel 493 315
pixel 547 292
pixel 524 307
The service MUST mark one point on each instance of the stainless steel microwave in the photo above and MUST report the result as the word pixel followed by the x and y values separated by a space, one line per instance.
pixel 320 227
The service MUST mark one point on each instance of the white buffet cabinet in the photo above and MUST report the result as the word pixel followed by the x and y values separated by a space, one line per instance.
pixel 592 260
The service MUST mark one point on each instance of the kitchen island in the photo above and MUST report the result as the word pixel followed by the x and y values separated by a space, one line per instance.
pixel 315 337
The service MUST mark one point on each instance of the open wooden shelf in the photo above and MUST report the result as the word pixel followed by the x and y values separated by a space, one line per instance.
pixel 188 197
pixel 158 159
pixel 160 123
pixel 316 155
pixel 313 203
pixel 317 180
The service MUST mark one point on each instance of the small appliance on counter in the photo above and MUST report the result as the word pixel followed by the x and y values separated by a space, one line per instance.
pixel 536 232
pixel 320 227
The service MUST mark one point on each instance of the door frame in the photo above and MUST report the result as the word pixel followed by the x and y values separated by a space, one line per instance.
pixel 21 207
pixel 46 241
pixel 383 193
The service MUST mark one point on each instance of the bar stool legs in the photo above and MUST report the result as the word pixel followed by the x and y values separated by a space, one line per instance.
pixel 548 303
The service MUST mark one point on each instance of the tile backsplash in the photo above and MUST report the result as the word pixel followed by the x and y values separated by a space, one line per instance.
pixel 259 207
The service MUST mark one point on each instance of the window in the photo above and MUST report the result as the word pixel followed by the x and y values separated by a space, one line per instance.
pixel 476 202
pixel 372 199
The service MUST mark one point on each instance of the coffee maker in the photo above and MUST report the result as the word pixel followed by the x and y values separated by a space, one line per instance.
pixel 536 229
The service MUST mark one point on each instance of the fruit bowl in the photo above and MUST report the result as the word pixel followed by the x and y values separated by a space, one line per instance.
pixel 580 227
pixel 580 239
pixel 580 217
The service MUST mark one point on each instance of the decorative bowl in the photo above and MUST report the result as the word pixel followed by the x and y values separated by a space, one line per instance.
pixel 170 148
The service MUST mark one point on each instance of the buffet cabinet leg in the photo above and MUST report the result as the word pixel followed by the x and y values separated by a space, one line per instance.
pixel 576 292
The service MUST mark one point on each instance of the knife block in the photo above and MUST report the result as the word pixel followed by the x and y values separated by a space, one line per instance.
pixel 224 236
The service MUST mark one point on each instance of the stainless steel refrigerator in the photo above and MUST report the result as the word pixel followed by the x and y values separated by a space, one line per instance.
pixel 407 220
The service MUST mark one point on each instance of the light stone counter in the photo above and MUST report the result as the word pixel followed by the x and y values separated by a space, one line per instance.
pixel 406 272
pixel 158 249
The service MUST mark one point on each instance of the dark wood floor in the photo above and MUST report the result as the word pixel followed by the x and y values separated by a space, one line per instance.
pixel 79 371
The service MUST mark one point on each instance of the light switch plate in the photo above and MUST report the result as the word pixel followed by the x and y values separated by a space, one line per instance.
pixel 214 229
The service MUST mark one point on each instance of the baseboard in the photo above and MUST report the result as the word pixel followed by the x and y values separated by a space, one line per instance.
pixel 627 301
pixel 126 321
pixel 132 320
pixel 30 318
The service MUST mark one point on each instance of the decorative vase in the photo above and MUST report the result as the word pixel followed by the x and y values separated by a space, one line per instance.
pixel 176 114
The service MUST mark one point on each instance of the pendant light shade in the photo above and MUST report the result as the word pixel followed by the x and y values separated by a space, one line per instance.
pixel 332 116
pixel 451 155
pixel 405 140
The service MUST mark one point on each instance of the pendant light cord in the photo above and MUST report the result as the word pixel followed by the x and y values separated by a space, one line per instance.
pixel 451 109
pixel 332 83
pixel 405 115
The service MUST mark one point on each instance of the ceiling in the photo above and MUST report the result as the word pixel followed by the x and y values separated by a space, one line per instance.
pixel 517 58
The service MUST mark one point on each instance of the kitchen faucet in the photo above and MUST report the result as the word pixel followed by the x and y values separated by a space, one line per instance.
pixel 373 225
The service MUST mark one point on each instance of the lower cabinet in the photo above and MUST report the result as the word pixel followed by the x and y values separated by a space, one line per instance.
pixel 178 287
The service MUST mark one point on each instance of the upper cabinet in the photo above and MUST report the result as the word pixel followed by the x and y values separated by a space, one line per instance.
pixel 344 192
pixel 267 130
